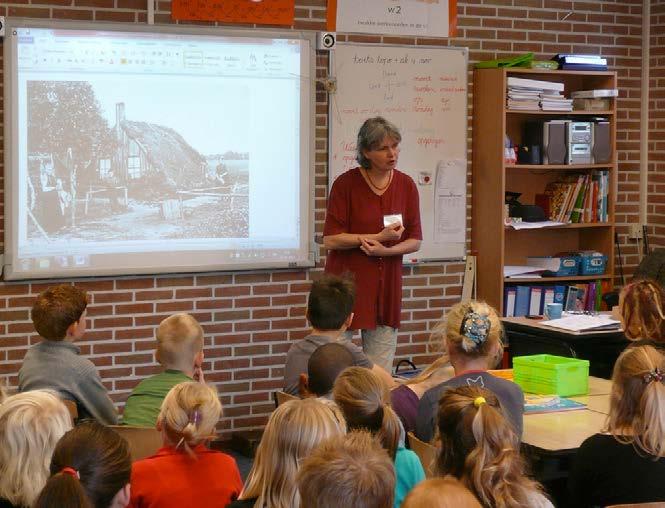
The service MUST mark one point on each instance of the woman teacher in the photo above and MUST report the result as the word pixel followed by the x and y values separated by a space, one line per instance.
pixel 372 220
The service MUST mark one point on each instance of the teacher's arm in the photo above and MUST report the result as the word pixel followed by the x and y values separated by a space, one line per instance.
pixel 345 241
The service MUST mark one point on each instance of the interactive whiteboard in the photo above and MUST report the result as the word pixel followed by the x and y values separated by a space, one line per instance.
pixel 423 91
pixel 156 149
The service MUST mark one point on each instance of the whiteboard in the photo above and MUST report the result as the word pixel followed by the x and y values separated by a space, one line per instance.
pixel 423 91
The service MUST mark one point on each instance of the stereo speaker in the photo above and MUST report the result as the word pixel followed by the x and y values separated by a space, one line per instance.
pixel 602 152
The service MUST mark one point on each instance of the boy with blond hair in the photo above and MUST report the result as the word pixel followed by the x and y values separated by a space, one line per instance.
pixel 180 352
pixel 59 316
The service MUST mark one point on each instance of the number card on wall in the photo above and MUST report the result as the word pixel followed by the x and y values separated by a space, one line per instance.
pixel 423 91
pixel 432 18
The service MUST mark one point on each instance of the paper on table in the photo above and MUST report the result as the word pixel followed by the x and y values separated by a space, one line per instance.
pixel 450 202
pixel 536 225
pixel 583 322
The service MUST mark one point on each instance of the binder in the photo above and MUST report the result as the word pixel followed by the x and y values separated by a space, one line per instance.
pixel 571 298
pixel 509 294
pixel 548 297
pixel 535 300
pixel 522 296
pixel 559 294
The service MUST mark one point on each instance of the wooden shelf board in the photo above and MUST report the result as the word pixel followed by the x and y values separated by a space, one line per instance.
pixel 554 72
pixel 603 112
pixel 576 278
pixel 580 225
pixel 564 167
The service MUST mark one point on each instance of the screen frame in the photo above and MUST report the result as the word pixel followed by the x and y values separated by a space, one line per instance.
pixel 307 150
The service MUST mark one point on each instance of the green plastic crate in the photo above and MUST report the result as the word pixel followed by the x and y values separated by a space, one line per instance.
pixel 551 375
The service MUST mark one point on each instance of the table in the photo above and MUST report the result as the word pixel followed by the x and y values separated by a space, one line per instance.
pixel 530 337
pixel 550 440
pixel 565 430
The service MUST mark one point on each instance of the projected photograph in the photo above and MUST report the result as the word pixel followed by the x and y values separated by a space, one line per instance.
pixel 110 161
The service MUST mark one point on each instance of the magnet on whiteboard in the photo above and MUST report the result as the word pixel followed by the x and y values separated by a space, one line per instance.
pixel 425 178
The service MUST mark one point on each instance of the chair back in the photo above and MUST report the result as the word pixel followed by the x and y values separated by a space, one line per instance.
pixel 426 453
pixel 73 410
pixel 282 397
pixel 143 441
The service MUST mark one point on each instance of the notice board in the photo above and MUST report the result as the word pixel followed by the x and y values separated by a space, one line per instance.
pixel 423 91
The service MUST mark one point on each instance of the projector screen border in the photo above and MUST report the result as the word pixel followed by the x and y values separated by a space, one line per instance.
pixel 307 150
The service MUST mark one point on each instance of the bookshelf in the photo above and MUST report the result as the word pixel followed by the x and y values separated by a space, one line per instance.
pixel 498 245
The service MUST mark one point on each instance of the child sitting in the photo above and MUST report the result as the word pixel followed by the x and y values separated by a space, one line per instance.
pixel 440 493
pixel 329 310
pixel 325 364
pixel 180 352
pixel 90 468
pixel 59 316
pixel 347 471
pixel 184 471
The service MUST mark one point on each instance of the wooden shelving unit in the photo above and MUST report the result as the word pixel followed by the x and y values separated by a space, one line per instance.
pixel 496 244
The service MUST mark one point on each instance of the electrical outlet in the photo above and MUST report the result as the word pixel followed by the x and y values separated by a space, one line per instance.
pixel 635 232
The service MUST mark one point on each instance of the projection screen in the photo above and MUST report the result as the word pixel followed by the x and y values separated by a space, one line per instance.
pixel 130 150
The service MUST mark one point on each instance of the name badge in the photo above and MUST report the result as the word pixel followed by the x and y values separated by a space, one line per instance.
pixel 391 219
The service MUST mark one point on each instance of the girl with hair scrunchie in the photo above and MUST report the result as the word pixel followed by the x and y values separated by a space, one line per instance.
pixel 185 471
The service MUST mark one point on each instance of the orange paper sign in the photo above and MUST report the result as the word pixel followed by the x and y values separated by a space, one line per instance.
pixel 260 12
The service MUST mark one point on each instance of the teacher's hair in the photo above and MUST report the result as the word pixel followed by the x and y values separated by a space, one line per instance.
pixel 481 449
pixel 363 398
pixel 641 307
pixel 371 134
pixel 90 465
pixel 637 402
pixel 293 430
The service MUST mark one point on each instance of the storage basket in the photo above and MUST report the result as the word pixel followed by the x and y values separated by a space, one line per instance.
pixel 551 375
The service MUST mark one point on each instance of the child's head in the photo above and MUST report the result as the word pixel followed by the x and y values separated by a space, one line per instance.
pixel 325 364
pixel 189 414
pixel 330 302
pixel 90 467
pixel 293 430
pixel 352 470
pixel 480 447
pixel 180 343
pixel 31 423
pixel 59 312
pixel 363 398
pixel 473 331
pixel 440 493
pixel 637 402
pixel 641 309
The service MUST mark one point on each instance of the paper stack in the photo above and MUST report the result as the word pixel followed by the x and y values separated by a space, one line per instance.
pixel 532 94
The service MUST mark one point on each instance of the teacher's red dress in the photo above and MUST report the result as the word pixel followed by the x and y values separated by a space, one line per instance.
pixel 354 208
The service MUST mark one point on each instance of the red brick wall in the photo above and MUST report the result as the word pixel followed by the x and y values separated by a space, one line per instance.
pixel 250 318
pixel 656 192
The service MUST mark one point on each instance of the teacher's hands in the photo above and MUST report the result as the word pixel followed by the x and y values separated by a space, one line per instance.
pixel 391 232
pixel 373 247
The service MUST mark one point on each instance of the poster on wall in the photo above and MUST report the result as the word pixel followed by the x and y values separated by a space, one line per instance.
pixel 261 12
pixel 429 18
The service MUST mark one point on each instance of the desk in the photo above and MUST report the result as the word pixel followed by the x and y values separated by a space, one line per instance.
pixel 530 337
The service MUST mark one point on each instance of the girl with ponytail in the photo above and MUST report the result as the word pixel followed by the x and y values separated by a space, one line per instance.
pixel 184 471
pixel 480 448
pixel 363 399
pixel 90 468
pixel 626 464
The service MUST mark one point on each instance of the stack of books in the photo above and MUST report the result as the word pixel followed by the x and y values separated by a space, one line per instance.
pixel 581 62
pixel 577 198
pixel 532 94
pixel 555 102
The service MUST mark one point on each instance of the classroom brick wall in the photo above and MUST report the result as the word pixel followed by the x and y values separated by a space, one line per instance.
pixel 656 192
pixel 250 318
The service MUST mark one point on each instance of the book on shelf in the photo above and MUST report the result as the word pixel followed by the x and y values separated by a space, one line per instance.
pixel 573 58
pixel 534 84
pixel 595 94
pixel 520 300
pixel 576 198
pixel 582 67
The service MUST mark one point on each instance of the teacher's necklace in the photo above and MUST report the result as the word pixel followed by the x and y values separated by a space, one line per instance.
pixel 369 179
